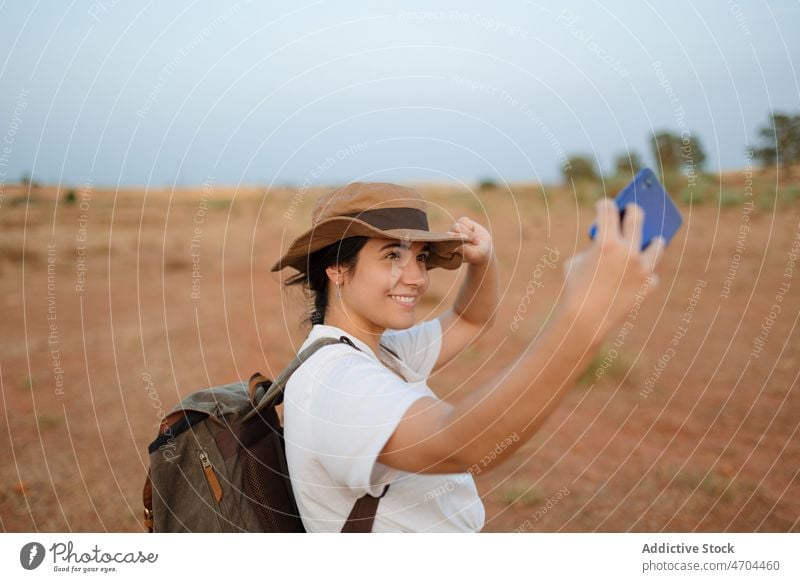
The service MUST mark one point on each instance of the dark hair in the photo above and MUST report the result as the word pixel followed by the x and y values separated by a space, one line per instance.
pixel 315 281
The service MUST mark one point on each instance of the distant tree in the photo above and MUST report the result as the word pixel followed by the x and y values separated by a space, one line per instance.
pixel 692 154
pixel 673 152
pixel 666 149
pixel 25 179
pixel 487 184
pixel 71 197
pixel 781 139
pixel 767 156
pixel 627 164
pixel 579 168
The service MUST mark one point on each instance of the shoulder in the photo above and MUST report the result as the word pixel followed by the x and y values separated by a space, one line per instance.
pixel 428 328
pixel 420 336
pixel 342 368
pixel 418 346
pixel 337 354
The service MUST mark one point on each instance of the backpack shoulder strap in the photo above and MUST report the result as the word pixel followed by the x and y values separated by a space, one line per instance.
pixel 391 351
pixel 362 516
pixel 274 394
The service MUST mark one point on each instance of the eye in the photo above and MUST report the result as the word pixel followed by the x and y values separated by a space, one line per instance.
pixel 422 257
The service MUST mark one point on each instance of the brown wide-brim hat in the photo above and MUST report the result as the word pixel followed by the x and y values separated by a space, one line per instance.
pixel 374 209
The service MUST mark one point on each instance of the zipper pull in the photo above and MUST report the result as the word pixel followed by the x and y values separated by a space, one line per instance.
pixel 211 476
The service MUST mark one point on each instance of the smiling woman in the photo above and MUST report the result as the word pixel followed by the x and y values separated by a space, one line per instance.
pixel 362 424
pixel 343 404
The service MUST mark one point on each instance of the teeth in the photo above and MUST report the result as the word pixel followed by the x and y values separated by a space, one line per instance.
pixel 402 299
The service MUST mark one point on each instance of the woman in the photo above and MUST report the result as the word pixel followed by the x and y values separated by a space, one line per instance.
pixel 356 420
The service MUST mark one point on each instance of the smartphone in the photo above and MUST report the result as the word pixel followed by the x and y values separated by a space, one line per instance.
pixel 661 216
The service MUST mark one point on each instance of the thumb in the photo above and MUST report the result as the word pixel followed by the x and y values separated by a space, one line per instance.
pixel 570 262
pixel 650 284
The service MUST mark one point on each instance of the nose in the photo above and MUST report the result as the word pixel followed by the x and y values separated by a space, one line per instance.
pixel 416 273
pixel 412 271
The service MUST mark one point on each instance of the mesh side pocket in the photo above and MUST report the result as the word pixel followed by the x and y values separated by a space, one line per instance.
pixel 267 484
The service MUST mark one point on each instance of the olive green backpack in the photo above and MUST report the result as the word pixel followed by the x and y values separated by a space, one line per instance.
pixel 219 464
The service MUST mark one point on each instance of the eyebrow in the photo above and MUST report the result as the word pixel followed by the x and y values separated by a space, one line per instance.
pixel 426 247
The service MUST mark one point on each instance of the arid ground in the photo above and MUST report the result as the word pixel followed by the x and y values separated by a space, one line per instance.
pixel 117 303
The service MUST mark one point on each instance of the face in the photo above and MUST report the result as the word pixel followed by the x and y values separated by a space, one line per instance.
pixel 387 283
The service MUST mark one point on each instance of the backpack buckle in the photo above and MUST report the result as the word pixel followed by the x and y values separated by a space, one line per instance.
pixel 148 519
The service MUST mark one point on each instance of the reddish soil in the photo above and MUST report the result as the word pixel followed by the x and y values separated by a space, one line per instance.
pixel 712 446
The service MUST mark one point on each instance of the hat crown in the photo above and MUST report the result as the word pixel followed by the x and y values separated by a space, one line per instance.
pixel 372 209
pixel 360 196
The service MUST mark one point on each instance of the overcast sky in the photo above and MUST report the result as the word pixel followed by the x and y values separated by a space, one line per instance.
pixel 162 93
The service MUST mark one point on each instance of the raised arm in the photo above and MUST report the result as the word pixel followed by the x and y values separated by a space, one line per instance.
pixel 475 307
pixel 601 285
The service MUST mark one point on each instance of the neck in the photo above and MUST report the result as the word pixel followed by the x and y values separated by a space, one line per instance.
pixel 366 331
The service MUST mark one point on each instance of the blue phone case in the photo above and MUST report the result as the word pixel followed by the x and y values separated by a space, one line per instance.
pixel 661 216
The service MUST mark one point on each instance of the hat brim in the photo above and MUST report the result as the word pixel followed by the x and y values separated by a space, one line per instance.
pixel 335 229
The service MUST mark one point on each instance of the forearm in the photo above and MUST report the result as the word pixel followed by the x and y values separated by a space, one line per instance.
pixel 479 295
pixel 520 399
pixel 601 284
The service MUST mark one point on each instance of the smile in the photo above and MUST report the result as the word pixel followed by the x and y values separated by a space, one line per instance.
pixel 404 300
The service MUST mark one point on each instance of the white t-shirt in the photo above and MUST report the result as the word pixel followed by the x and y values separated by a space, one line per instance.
pixel 340 408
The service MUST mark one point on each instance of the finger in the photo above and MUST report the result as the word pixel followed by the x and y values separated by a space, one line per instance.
pixel 653 253
pixel 567 265
pixel 607 220
pixel 632 224
pixel 574 260
pixel 652 283
pixel 464 231
pixel 467 222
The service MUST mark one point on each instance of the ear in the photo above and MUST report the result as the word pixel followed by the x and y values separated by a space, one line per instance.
pixel 333 272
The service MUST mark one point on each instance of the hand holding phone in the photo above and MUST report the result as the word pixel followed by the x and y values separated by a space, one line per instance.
pixel 661 216
pixel 603 282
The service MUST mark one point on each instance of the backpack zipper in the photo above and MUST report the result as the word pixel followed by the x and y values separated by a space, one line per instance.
pixel 213 488
pixel 211 476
